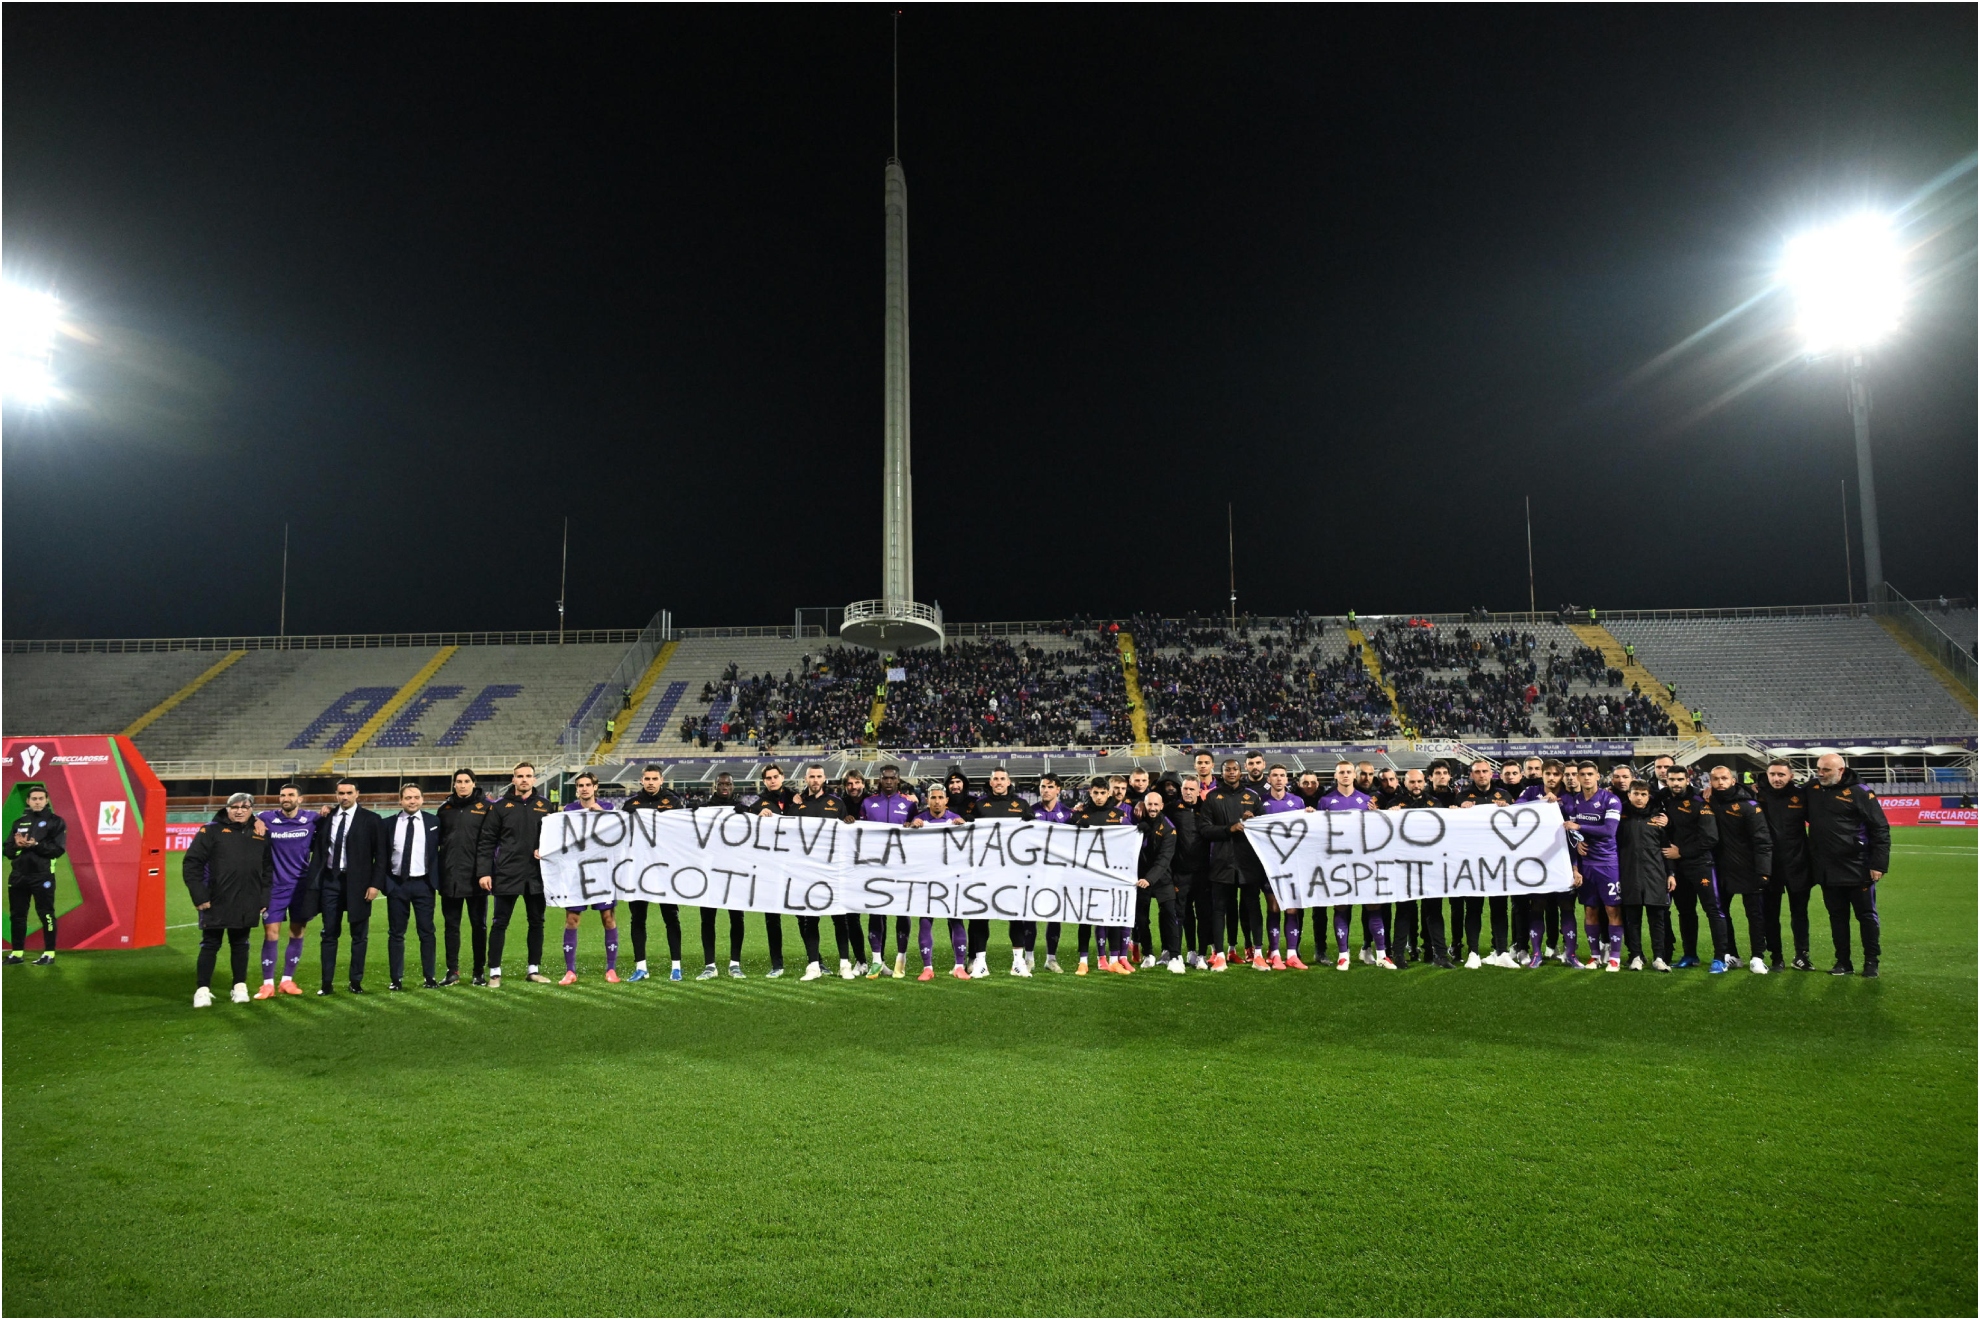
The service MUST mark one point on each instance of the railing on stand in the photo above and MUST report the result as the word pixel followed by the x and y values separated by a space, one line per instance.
pixel 1891 604
pixel 588 730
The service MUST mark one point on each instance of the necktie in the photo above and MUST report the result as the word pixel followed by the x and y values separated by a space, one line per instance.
pixel 337 844
pixel 405 849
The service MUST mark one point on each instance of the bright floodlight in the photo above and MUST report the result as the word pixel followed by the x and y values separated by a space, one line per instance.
pixel 1848 280
pixel 27 342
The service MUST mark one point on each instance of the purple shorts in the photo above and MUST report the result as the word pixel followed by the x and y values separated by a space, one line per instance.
pixel 1599 890
pixel 594 907
pixel 280 899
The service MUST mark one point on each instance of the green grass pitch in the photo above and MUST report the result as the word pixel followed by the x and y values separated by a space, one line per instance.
pixel 1546 1142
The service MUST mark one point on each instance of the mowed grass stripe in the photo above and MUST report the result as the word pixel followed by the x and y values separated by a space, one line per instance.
pixel 1493 1141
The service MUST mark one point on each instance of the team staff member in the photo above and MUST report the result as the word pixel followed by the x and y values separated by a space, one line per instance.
pixel 1647 880
pixel 817 801
pixel 1690 837
pixel 1849 850
pixel 346 873
pixel 1483 791
pixel 34 840
pixel 608 910
pixel 1000 803
pixel 772 801
pixel 1415 796
pixel 228 870
pixel 412 860
pixel 291 828
pixel 1743 862
pixel 725 796
pixel 1154 874
pixel 1224 812
pixel 1785 805
pixel 652 797
pixel 461 818
pixel 511 867
pixel 1192 859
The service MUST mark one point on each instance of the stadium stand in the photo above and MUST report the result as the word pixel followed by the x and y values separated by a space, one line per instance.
pixel 501 699
pixel 93 692
pixel 276 704
pixel 1286 683
pixel 1795 677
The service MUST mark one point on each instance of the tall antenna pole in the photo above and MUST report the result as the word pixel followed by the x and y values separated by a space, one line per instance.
pixel 1849 569
pixel 1230 535
pixel 282 627
pixel 1532 607
pixel 563 577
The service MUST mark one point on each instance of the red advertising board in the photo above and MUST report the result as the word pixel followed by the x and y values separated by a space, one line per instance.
pixel 113 878
pixel 1929 811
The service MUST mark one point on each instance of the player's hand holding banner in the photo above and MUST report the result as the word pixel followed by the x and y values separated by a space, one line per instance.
pixel 714 857
pixel 1326 858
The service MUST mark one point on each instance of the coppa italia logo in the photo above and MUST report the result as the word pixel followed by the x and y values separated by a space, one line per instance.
pixel 31 760
pixel 110 818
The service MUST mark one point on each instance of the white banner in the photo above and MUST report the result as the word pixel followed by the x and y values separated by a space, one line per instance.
pixel 1007 870
pixel 1327 858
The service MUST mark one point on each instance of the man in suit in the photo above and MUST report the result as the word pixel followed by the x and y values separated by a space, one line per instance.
pixel 347 869
pixel 413 861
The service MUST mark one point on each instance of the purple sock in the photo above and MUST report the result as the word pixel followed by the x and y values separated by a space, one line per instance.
pixel 570 949
pixel 292 957
pixel 1295 927
pixel 1381 928
pixel 1342 916
pixel 1594 931
pixel 959 940
pixel 267 959
pixel 1536 935
pixel 1567 938
pixel 611 948
pixel 928 941
pixel 1615 943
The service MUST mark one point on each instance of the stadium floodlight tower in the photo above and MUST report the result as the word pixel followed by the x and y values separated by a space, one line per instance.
pixel 896 620
pixel 1848 282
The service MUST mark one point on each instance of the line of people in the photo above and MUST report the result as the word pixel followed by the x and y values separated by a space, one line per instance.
pixel 1641 847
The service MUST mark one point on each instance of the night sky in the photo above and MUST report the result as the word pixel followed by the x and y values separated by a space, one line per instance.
pixel 422 282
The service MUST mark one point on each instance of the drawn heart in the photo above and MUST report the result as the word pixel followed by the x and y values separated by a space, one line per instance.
pixel 1292 831
pixel 1505 822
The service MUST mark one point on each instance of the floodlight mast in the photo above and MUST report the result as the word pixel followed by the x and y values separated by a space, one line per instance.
pixel 1849 281
pixel 1866 481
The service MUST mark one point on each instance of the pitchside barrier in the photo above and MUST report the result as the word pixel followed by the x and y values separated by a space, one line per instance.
pixel 112 879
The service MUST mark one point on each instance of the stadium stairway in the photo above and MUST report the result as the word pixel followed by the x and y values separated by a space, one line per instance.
pixel 636 714
pixel 52 692
pixel 1373 662
pixel 1930 664
pixel 171 703
pixel 369 729
pixel 1616 657
pixel 1131 677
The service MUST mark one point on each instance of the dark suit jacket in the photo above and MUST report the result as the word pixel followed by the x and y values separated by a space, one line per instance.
pixel 388 835
pixel 365 866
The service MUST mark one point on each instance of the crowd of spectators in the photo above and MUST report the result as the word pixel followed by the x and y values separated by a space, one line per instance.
pixel 1203 680
pixel 1450 684
pixel 1265 690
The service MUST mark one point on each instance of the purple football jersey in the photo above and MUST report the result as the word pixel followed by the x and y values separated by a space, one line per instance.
pixel 288 837
pixel 1352 800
